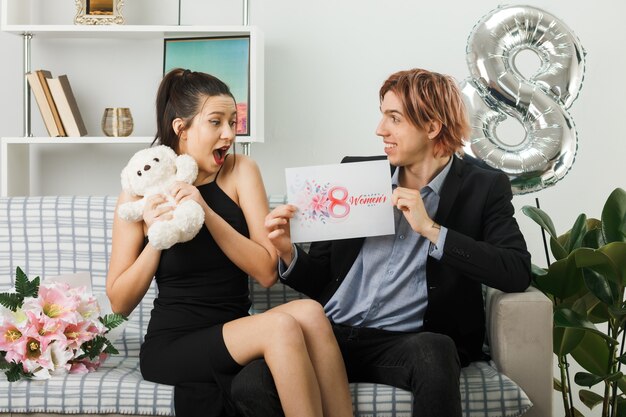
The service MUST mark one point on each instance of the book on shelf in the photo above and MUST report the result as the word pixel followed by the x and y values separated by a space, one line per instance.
pixel 44 76
pixel 67 106
pixel 39 86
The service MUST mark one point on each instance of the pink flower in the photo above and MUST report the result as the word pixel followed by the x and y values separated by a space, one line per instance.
pixel 88 306
pixel 79 333
pixel 56 301
pixel 85 365
pixel 319 203
pixel 45 330
pixel 41 363
pixel 13 342
pixel 11 335
pixel 78 368
pixel 33 358
pixel 53 356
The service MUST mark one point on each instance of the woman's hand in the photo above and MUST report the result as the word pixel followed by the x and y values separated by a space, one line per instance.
pixel 155 210
pixel 181 191
pixel 277 226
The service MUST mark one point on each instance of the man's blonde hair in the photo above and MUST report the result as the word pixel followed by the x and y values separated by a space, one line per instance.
pixel 428 96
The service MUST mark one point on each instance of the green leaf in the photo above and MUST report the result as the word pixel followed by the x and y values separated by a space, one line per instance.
pixel 577 234
pixel 25 287
pixel 590 398
pixel 558 249
pixel 599 314
pixel 93 347
pixel 592 354
pixel 545 222
pixel 614 377
pixel 584 304
pixel 565 340
pixel 16 371
pixel 594 237
pixel 20 275
pixel 112 321
pixel 565 317
pixel 621 407
pixel 537 271
pixel 613 215
pixel 11 300
pixel 606 290
pixel 589 305
pixel 13 374
pixel 563 279
pixel 588 380
pixel 616 252
pixel 598 261
pixel 585 379
pixel 541 218
pixel 618 314
pixel 3 363
pixel 110 349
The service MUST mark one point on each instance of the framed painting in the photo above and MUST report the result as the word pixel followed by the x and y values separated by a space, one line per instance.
pixel 99 12
pixel 227 58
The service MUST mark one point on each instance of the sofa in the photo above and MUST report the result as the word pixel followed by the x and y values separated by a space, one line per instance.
pixel 53 235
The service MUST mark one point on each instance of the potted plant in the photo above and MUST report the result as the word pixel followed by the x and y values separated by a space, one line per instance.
pixel 586 284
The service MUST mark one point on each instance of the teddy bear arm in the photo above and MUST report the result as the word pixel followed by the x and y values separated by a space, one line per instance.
pixel 132 210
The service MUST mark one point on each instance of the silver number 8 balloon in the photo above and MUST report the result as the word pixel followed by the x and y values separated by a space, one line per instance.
pixel 497 90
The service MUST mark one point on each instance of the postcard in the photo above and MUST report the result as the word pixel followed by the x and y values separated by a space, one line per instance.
pixel 340 201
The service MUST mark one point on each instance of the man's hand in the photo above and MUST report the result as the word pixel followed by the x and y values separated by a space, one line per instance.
pixel 277 226
pixel 412 206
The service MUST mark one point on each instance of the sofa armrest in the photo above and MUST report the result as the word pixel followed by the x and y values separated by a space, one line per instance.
pixel 519 331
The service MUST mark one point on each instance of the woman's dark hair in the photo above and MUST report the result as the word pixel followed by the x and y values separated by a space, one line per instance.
pixel 182 93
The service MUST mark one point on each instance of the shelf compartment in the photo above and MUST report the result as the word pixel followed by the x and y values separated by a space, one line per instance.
pixel 16 157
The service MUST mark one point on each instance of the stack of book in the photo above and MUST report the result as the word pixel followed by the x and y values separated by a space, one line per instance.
pixel 56 103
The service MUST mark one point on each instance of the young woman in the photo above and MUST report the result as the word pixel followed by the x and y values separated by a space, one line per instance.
pixel 200 334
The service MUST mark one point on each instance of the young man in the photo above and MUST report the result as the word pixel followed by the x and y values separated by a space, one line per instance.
pixel 407 309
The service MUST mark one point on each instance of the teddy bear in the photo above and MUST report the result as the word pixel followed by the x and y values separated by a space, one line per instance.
pixel 153 171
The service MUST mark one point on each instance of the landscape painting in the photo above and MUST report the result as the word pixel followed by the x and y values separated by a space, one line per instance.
pixel 227 58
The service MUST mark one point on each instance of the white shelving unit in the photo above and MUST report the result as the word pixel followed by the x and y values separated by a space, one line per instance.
pixel 16 151
pixel 16 157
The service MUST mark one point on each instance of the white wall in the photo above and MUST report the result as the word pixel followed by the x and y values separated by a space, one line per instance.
pixel 325 61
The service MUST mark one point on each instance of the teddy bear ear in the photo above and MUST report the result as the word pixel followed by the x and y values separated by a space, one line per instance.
pixel 186 169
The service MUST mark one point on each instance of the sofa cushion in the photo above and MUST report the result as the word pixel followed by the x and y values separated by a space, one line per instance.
pixel 50 236
pixel 484 393
pixel 117 387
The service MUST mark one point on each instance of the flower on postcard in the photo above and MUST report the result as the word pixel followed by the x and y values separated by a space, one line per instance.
pixel 314 200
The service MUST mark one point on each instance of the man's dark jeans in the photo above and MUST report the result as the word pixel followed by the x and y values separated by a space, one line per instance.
pixel 425 364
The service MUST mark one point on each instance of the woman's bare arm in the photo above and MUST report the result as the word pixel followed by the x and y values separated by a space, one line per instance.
pixel 132 265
